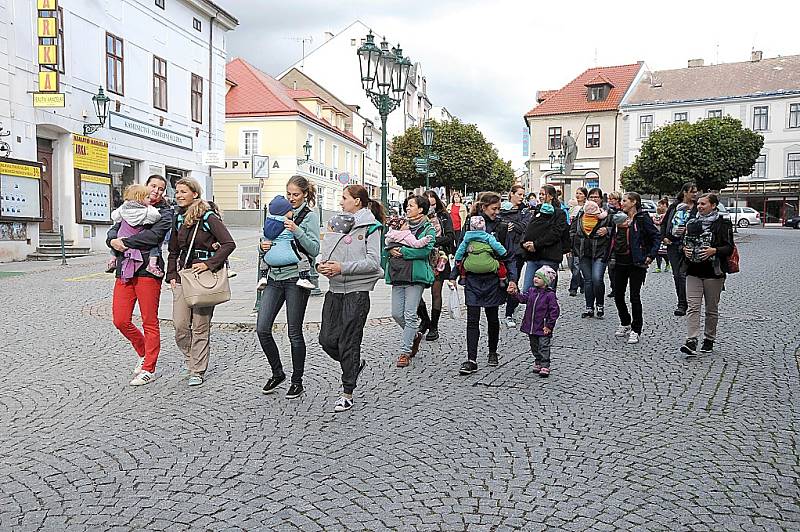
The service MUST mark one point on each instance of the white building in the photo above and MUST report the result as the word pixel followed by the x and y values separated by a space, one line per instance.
pixel 334 64
pixel 161 63
pixel 440 114
pixel 763 93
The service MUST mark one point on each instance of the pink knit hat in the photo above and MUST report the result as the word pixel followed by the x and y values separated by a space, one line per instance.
pixel 592 209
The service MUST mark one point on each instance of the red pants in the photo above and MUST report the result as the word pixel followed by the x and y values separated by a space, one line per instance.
pixel 147 291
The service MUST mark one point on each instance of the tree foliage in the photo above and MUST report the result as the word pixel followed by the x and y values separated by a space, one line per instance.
pixel 710 152
pixel 466 158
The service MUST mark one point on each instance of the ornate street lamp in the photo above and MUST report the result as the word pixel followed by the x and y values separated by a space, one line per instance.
pixel 560 158
pixel 384 76
pixel 427 142
pixel 100 103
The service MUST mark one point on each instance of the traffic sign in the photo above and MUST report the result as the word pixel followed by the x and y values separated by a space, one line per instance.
pixel 431 174
pixel 420 160
pixel 434 157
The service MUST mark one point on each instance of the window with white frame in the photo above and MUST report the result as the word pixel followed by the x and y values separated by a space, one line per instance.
pixel 681 117
pixel 554 138
pixel 760 167
pixel 793 165
pixel 715 113
pixel 249 142
pixel 348 163
pixel 321 151
pixel 794 115
pixel 760 118
pixel 645 126
pixel 249 197
pixel 335 163
pixel 593 136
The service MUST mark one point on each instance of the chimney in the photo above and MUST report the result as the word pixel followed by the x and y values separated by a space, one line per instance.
pixel 328 36
pixel 694 63
pixel 756 55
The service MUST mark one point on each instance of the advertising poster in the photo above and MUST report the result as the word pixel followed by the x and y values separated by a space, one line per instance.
pixel 20 191
pixel 95 198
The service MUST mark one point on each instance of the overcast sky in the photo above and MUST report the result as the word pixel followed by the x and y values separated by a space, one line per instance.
pixel 485 61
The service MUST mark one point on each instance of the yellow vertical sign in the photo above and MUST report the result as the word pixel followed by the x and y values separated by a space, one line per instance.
pixel 48 81
pixel 47 54
pixel 47 28
pixel 46 5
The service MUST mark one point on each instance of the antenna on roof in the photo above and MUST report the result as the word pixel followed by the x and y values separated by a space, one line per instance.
pixel 595 57
pixel 716 53
pixel 302 40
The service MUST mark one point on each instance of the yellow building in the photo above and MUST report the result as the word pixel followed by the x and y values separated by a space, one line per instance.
pixel 270 126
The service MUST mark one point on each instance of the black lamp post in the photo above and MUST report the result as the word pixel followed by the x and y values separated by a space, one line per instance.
pixel 560 158
pixel 100 103
pixel 384 76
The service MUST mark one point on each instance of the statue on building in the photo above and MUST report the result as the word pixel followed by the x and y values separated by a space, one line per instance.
pixel 570 149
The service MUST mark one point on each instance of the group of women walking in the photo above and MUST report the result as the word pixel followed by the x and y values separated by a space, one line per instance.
pixel 532 234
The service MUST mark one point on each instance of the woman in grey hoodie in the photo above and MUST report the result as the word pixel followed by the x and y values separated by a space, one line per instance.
pixel 351 260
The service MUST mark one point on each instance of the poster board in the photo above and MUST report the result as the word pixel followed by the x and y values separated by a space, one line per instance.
pixel 93 198
pixel 20 190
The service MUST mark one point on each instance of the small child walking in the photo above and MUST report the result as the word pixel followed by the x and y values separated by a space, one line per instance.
pixel 541 314
pixel 132 216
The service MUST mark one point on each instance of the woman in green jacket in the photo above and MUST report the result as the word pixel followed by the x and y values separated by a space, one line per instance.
pixel 409 272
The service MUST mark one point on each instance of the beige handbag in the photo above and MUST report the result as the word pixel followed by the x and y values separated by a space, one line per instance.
pixel 204 289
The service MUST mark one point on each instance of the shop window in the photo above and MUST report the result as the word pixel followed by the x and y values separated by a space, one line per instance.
pixel 159 83
pixel 115 65
pixel 123 174
pixel 249 197
pixel 197 98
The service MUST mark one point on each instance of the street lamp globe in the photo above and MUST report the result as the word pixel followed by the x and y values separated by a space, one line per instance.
pixel 427 135
pixel 386 65
pixel 368 58
pixel 100 101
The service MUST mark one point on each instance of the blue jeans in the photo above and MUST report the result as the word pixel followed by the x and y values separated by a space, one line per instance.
pixel 594 287
pixel 405 299
pixel 530 268
pixel 296 298
pixel 577 279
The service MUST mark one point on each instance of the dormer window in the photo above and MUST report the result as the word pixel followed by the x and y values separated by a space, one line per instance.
pixel 598 93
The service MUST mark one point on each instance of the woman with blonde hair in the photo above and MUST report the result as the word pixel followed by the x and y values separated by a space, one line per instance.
pixel 198 227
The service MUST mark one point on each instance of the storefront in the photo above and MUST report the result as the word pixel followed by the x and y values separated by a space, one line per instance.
pixel 776 200
pixel 20 204
pixel 124 172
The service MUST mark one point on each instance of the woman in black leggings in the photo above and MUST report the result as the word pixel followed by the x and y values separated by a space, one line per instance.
pixel 445 241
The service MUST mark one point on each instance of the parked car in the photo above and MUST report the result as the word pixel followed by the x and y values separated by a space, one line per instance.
pixel 724 212
pixel 794 221
pixel 649 206
pixel 744 216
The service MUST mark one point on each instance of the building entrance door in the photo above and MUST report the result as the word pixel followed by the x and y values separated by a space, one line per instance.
pixel 44 154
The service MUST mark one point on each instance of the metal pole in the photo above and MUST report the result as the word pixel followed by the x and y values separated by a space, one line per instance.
pixel 384 182
pixel 63 251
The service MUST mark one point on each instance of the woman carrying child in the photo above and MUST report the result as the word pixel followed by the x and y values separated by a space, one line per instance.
pixel 591 233
pixel 484 290
pixel 409 271
pixel 444 245
pixel 351 260
pixel 283 285
pixel 541 314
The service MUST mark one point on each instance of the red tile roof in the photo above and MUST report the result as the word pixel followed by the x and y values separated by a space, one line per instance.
pixel 572 98
pixel 599 79
pixel 543 95
pixel 257 94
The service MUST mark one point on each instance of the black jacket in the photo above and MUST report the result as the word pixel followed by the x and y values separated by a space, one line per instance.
pixel 721 239
pixel 151 236
pixel 592 246
pixel 446 242
pixel 518 219
pixel 545 232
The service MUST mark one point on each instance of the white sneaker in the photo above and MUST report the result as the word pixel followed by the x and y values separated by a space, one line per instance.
pixel 633 338
pixel 305 283
pixel 622 331
pixel 510 323
pixel 343 404
pixel 262 283
pixel 145 377
pixel 138 368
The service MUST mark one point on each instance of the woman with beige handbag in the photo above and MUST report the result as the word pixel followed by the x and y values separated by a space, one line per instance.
pixel 199 246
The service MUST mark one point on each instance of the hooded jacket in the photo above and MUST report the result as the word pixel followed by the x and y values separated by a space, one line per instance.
pixel 359 253
pixel 643 239
pixel 541 310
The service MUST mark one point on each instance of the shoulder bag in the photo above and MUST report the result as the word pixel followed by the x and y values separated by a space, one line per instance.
pixel 204 289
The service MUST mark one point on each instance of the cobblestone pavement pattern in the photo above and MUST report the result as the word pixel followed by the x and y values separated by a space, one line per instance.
pixel 620 437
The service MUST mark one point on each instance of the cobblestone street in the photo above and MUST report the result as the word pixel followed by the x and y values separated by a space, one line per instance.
pixel 620 437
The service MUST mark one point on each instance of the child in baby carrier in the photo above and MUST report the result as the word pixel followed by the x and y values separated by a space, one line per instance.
pixel 284 250
pixel 479 250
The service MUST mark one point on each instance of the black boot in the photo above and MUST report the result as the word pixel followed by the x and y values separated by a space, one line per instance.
pixel 433 332
pixel 424 320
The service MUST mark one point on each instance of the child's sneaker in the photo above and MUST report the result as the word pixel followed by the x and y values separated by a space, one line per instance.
pixel 262 283
pixel 544 372
pixel 305 283
pixel 155 270
pixel 111 265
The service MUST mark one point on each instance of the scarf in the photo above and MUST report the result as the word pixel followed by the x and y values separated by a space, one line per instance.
pixel 708 219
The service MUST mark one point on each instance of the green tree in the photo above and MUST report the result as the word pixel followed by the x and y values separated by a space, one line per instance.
pixel 466 158
pixel 710 152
